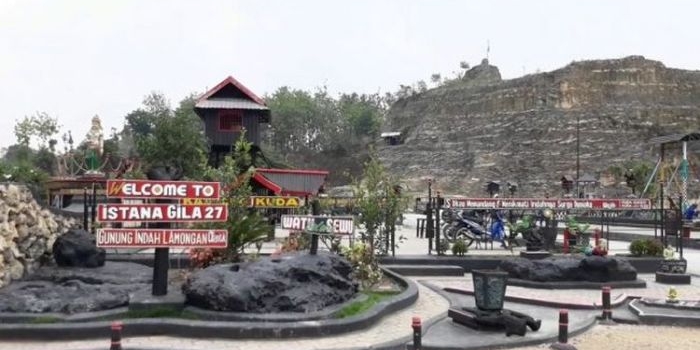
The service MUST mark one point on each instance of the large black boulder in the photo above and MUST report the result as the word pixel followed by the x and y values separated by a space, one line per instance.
pixel 590 268
pixel 296 283
pixel 76 248
pixel 75 289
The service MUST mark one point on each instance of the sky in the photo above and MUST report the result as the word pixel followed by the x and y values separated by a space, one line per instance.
pixel 77 59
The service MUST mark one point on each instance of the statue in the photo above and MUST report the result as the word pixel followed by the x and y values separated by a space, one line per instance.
pixel 95 144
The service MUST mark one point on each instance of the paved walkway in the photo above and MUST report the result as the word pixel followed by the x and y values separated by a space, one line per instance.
pixel 396 326
pixel 392 327
pixel 579 296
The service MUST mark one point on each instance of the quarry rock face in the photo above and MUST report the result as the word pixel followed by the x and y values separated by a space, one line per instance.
pixel 482 128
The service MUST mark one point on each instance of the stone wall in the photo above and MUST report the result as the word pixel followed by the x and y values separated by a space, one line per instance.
pixel 482 128
pixel 27 232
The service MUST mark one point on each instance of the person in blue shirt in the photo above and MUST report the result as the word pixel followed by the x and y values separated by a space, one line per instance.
pixel 691 212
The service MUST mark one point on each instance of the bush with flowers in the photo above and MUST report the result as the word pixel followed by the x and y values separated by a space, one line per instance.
pixel 365 265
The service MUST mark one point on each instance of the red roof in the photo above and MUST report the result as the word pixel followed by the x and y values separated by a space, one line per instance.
pixel 291 182
pixel 293 171
pixel 238 85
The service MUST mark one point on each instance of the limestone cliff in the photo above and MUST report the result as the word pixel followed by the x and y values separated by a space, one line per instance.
pixel 27 232
pixel 482 128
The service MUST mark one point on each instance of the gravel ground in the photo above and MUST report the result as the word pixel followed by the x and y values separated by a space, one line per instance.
pixel 629 337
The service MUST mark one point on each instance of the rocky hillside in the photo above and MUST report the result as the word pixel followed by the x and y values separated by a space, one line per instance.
pixel 483 128
pixel 27 232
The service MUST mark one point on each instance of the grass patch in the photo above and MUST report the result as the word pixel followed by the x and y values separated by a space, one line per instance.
pixel 160 313
pixel 44 320
pixel 358 307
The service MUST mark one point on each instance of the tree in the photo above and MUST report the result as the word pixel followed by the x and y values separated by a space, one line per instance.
pixel 244 226
pixel 40 126
pixel 635 173
pixel 379 201
pixel 363 113
pixel 164 137
pixel 436 78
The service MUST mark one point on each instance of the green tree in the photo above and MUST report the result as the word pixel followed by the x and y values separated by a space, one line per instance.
pixel 40 126
pixel 165 137
pixel 244 226
pixel 363 113
pixel 380 203
pixel 635 173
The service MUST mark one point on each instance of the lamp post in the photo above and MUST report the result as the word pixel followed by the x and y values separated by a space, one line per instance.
pixel 578 153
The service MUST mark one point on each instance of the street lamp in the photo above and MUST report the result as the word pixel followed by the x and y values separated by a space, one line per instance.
pixel 578 153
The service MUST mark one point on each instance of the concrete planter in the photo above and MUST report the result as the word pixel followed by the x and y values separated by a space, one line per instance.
pixel 489 289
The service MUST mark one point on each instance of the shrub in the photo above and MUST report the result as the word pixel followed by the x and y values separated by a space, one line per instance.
pixel 365 266
pixel 459 248
pixel 296 241
pixel 443 247
pixel 654 247
pixel 638 247
pixel 646 247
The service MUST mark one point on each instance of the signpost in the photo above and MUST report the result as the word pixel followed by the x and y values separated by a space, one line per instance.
pixel 543 203
pixel 274 202
pixel 161 212
pixel 162 237
pixel 339 225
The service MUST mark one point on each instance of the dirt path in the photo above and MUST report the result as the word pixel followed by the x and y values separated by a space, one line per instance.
pixel 627 337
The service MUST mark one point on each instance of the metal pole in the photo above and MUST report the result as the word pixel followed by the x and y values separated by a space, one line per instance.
pixel 681 231
pixel 85 209
pixel 578 153
pixel 94 208
pixel 437 221
pixel 430 228
pixel 316 210
pixel 661 194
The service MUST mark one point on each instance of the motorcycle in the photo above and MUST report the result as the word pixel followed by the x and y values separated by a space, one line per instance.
pixel 470 227
pixel 465 225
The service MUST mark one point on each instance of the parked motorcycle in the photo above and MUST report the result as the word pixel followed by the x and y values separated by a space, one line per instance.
pixel 470 227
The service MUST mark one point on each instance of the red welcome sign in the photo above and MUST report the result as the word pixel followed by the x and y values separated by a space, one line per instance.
pixel 161 212
pixel 162 189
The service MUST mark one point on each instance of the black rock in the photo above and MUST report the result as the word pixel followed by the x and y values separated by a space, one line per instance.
pixel 604 269
pixel 72 290
pixel 76 248
pixel 590 268
pixel 297 283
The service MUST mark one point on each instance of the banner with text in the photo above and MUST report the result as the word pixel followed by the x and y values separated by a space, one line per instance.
pixel 161 212
pixel 274 202
pixel 341 225
pixel 162 189
pixel 161 238
pixel 542 203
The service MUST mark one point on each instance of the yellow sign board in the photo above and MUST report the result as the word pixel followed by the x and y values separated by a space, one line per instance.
pixel 199 201
pixel 274 202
